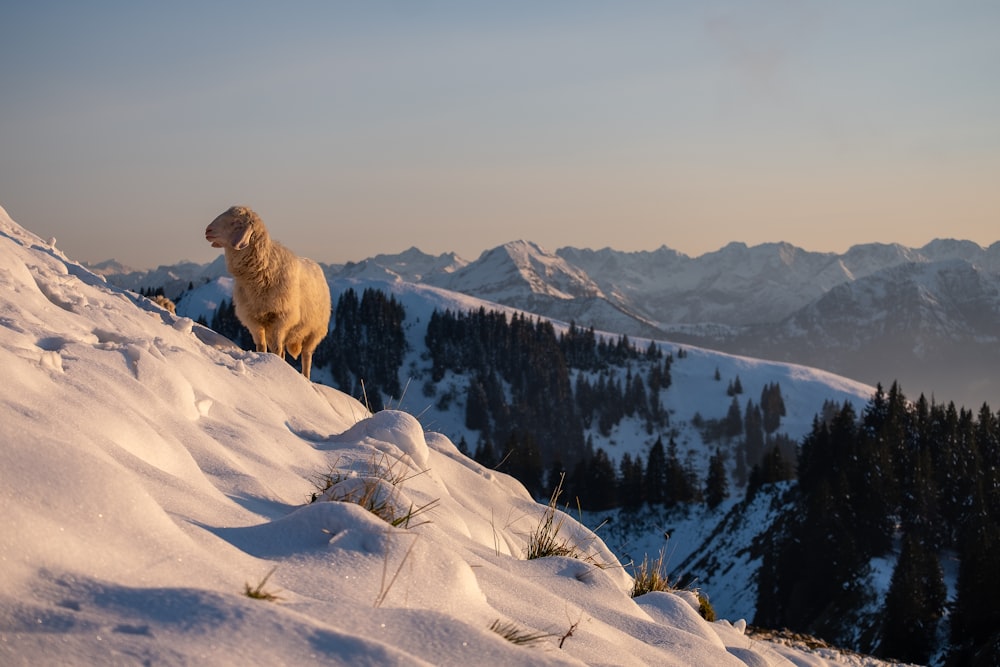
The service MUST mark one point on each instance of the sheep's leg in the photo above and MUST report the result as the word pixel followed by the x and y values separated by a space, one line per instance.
pixel 307 358
pixel 278 341
pixel 259 336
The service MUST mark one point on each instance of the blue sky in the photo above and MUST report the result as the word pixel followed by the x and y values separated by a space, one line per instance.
pixel 363 127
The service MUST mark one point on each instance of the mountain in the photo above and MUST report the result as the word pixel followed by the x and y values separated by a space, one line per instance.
pixel 934 325
pixel 735 285
pixel 173 279
pixel 524 275
pixel 157 487
pixel 928 320
pixel 740 285
pixel 878 312
pixel 415 266
pixel 772 300
pixel 515 269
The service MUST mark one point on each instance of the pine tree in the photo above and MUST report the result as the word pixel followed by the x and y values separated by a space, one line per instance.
pixel 630 473
pixel 599 488
pixel 656 474
pixel 522 459
pixel 913 605
pixel 681 485
pixel 753 428
pixel 733 424
pixel 476 406
pixel 976 614
pixel 717 483
pixel 772 407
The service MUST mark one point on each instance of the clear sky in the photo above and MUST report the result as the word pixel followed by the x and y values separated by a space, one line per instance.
pixel 362 127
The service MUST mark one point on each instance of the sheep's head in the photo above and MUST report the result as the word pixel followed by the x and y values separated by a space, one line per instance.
pixel 233 229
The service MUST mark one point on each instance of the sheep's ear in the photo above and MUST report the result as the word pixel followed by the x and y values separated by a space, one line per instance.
pixel 241 237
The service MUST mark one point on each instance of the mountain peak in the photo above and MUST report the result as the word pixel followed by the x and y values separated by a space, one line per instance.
pixel 520 269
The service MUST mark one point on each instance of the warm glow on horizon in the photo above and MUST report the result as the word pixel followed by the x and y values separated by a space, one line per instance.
pixel 363 129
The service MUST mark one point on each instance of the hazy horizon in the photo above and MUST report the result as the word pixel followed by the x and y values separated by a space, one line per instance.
pixel 476 255
pixel 359 129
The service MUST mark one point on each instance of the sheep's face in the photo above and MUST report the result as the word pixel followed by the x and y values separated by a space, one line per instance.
pixel 233 229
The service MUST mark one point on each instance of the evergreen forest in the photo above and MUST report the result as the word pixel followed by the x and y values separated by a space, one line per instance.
pixel 917 479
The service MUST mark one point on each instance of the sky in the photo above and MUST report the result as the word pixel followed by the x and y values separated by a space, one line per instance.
pixel 358 128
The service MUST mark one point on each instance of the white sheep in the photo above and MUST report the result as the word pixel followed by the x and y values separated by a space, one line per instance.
pixel 282 299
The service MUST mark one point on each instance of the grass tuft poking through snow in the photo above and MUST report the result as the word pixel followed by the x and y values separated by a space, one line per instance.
pixel 517 635
pixel 544 541
pixel 650 575
pixel 258 592
pixel 377 489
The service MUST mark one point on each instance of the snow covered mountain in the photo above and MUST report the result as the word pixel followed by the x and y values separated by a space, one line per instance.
pixel 773 300
pixel 739 285
pixel 518 268
pixel 173 279
pixel 156 496
pixel 735 285
pixel 926 317
pixel 933 325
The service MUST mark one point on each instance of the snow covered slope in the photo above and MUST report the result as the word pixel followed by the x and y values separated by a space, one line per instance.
pixel 151 471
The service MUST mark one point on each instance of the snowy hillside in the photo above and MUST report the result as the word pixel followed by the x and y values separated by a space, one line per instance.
pixel 152 472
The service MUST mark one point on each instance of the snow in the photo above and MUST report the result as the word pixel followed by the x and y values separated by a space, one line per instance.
pixel 152 470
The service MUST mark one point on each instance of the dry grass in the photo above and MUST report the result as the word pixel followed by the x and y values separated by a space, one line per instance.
pixel 258 592
pixel 377 489
pixel 650 575
pixel 545 540
pixel 517 635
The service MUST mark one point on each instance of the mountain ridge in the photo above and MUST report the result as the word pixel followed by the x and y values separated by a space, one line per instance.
pixel 740 299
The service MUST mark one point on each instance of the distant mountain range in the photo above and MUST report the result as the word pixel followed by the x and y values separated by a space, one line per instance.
pixel 928 317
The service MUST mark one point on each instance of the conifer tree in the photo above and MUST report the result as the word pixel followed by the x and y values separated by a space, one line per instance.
pixel 681 485
pixel 976 614
pixel 733 424
pixel 753 429
pixel 630 472
pixel 913 605
pixel 772 407
pixel 522 459
pixel 656 474
pixel 717 483
pixel 476 406
pixel 598 490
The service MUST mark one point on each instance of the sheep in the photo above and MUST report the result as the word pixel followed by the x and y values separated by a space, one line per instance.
pixel 282 299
